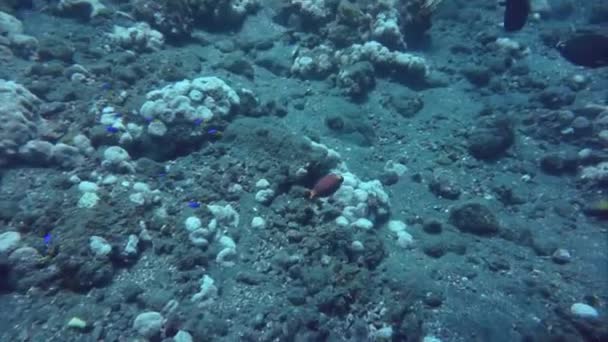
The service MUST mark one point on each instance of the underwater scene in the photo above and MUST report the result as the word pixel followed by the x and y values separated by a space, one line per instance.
pixel 304 170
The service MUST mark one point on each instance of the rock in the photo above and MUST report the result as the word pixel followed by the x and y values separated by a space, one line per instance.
pixel 432 227
pixel 406 106
pixel 556 97
pixel 492 141
pixel 582 126
pixel 585 311
pixel 85 9
pixel 148 324
pixel 474 218
pixel 239 66
pixel 434 250
pixel 9 241
pixel 444 187
pixel 561 256
pixel 477 75
pixel 559 163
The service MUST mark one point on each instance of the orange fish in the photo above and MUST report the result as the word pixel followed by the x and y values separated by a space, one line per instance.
pixel 326 186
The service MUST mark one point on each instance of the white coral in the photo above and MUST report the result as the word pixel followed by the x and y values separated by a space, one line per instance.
pixel 137 37
pixel 360 199
pixel 317 62
pixel 19 118
pixel 381 56
pixel 313 8
pixel 386 28
pixel 12 29
pixel 597 173
pixel 191 100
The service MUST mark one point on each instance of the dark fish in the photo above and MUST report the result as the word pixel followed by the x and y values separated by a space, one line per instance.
pixel 326 186
pixel 516 14
pixel 588 50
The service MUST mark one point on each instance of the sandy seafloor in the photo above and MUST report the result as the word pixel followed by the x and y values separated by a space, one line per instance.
pixel 473 208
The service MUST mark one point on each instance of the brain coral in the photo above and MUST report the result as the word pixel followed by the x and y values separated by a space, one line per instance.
pixel 19 118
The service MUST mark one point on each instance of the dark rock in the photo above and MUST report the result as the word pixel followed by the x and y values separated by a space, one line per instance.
pixel 477 75
pixel 597 209
pixel 434 250
pixel 498 264
pixel 131 291
pixel 507 196
pixel 582 127
pixel 55 49
pixel 559 163
pixel 556 97
pixel 6 280
pixel 40 88
pixel 249 278
pixel 82 275
pixel 49 109
pixel 297 296
pixel 406 106
pixel 389 178
pixel 239 66
pixel 474 218
pixel 492 140
pixel 334 122
pixel 433 299
pixel 432 227
pixel 445 188
pixel 277 60
pixel 54 69
pixel 149 167
pixel 126 74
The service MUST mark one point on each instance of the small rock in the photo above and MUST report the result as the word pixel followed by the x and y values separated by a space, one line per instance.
pixel 77 323
pixel 474 218
pixel 148 324
pixel 432 227
pixel 9 241
pixel 561 256
pixel 583 310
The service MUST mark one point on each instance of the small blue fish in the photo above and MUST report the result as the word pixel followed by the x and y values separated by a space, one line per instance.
pixel 106 86
pixel 111 129
pixel 48 238
pixel 212 131
pixel 198 122
pixel 117 115
pixel 148 119
pixel 194 204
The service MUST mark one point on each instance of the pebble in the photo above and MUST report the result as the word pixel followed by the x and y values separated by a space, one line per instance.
pixel 583 310
pixel 561 256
